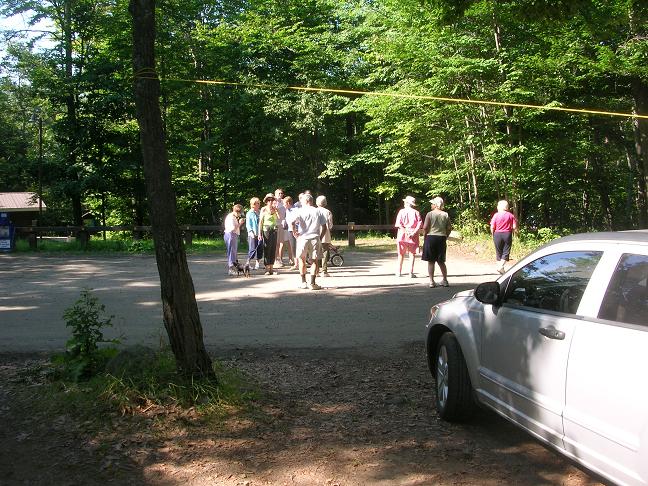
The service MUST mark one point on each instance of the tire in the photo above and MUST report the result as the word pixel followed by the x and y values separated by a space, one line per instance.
pixel 337 260
pixel 454 394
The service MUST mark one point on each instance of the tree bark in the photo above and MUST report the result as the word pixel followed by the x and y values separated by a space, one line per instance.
pixel 180 311
pixel 638 23
pixel 640 93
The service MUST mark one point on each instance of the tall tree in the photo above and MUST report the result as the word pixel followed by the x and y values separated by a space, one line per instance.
pixel 180 311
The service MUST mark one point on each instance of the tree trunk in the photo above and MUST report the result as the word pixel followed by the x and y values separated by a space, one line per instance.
pixel 640 93
pixel 180 311
pixel 638 23
pixel 71 117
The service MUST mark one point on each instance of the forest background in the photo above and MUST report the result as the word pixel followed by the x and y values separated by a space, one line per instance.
pixel 228 142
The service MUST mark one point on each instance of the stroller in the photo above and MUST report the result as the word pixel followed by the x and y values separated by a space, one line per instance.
pixel 335 256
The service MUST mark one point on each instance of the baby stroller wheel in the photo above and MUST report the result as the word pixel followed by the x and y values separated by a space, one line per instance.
pixel 337 260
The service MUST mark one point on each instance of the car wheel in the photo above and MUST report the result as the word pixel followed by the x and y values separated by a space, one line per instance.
pixel 454 399
pixel 337 260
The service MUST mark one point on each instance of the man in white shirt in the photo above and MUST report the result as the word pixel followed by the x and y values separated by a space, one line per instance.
pixel 312 228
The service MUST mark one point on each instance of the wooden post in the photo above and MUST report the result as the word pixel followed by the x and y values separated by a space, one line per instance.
pixel 83 237
pixel 32 238
pixel 188 237
pixel 350 226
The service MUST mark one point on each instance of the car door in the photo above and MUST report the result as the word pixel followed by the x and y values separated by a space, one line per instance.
pixel 606 411
pixel 525 341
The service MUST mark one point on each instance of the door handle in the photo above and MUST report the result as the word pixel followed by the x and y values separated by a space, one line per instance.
pixel 552 333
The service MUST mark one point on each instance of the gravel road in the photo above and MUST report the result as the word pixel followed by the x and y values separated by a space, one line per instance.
pixel 362 304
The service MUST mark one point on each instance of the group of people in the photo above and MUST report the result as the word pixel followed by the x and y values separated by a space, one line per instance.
pixel 302 230
pixel 436 230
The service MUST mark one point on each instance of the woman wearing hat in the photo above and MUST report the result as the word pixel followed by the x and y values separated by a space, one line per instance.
pixel 436 229
pixel 408 222
pixel 268 220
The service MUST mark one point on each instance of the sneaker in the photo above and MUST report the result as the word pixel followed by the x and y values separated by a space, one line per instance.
pixel 501 271
pixel 256 265
pixel 303 285
pixel 231 271
pixel 314 286
pixel 291 263
pixel 412 275
pixel 279 264
pixel 444 283
pixel 398 274
pixel 432 284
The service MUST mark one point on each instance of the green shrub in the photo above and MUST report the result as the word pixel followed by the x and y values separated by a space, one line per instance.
pixel 83 357
pixel 469 223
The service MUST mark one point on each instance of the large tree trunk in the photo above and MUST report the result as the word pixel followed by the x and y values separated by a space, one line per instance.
pixel 638 22
pixel 640 92
pixel 71 124
pixel 180 311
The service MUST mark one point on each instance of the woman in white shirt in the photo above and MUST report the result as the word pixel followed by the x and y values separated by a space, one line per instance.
pixel 233 223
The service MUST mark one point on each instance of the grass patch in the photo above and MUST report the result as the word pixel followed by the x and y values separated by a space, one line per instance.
pixel 117 245
pixel 155 389
pixel 481 245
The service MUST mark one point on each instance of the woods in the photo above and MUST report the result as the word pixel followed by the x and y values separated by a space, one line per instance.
pixel 226 142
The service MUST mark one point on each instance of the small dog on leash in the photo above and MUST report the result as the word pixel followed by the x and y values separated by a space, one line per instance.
pixel 242 269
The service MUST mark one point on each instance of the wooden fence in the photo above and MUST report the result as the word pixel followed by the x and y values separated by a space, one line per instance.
pixel 83 233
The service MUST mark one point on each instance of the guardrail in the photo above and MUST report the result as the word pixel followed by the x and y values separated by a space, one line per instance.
pixel 83 233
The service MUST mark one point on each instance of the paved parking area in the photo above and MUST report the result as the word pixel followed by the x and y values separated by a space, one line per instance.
pixel 362 303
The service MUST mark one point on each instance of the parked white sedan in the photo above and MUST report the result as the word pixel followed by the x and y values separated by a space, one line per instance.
pixel 559 346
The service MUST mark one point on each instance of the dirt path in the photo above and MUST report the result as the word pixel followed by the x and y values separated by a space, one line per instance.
pixel 348 397
pixel 330 417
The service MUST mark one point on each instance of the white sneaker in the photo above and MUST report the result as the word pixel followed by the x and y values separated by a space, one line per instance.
pixel 303 285
pixel 279 264
pixel 444 283
pixel 256 265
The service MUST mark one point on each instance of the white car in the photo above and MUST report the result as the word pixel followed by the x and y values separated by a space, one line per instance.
pixel 559 346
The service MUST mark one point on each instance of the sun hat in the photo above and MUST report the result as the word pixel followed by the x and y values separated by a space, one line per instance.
pixel 410 200
pixel 268 196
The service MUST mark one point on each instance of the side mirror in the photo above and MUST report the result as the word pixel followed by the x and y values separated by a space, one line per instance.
pixel 488 293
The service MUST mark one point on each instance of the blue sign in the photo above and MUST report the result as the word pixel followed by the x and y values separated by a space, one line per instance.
pixel 7 233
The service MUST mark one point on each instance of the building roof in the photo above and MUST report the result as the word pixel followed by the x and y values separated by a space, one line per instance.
pixel 12 202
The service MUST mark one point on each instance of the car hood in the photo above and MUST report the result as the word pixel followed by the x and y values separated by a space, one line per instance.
pixel 464 293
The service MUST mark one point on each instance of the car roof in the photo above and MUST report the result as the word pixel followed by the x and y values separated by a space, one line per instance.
pixel 631 236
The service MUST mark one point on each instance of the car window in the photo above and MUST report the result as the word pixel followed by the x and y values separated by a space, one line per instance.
pixel 553 282
pixel 626 298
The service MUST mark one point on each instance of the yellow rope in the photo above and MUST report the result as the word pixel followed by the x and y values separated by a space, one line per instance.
pixel 141 73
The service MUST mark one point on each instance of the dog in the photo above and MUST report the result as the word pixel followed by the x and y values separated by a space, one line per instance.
pixel 242 269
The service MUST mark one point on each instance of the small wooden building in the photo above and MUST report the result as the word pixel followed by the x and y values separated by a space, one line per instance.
pixel 22 207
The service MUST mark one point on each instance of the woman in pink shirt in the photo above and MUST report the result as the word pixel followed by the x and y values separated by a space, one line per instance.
pixel 408 222
pixel 502 225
